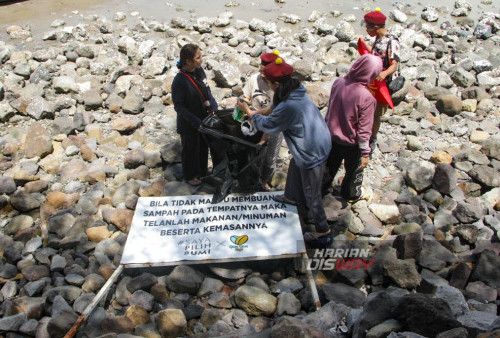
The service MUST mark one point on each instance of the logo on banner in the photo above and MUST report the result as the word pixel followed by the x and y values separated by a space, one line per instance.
pixel 196 247
pixel 239 241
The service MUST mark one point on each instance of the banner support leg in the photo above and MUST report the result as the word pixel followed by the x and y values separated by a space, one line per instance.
pixel 90 308
pixel 312 283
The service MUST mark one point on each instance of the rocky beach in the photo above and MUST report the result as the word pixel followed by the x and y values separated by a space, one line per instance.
pixel 87 127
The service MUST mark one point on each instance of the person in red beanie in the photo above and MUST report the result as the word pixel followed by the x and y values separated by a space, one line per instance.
pixel 387 47
pixel 308 140
pixel 257 91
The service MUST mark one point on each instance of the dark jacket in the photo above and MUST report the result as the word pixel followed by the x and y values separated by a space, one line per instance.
pixel 188 102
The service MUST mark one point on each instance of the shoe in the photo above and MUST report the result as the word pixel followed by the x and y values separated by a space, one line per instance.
pixel 365 195
pixel 313 240
pixel 373 145
pixel 283 199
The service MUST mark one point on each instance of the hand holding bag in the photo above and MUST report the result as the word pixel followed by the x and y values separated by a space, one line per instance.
pixel 213 121
pixel 396 84
pixel 398 81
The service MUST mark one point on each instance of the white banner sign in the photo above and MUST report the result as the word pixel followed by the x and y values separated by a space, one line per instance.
pixel 189 229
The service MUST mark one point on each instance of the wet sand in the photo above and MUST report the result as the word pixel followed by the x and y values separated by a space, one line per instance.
pixel 40 13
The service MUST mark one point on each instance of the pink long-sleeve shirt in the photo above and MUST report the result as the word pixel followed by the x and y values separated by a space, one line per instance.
pixel 351 107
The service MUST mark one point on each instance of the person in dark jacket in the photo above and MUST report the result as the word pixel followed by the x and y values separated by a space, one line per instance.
pixel 308 139
pixel 193 101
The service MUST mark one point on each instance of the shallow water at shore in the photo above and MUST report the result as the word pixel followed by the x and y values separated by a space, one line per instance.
pixel 40 13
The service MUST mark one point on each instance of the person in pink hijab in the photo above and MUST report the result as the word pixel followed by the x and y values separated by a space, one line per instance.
pixel 350 119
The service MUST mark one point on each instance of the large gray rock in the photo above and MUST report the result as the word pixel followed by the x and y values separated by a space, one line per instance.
pixel 38 141
pixel 345 32
pixel 133 103
pixel 449 105
pixel 171 323
pixel 481 292
pixel 255 301
pixel 385 213
pixel 461 77
pixel 419 175
pixel 430 14
pixel 445 178
pixel 69 293
pixel 39 109
pixel 415 309
pixel 377 309
pixel 287 285
pixel 434 256
pixel 288 304
pixel 12 323
pixel 64 84
pixel 486 270
pixel 226 75
pixel 491 148
pixel 398 16
pixel 454 298
pixel 467 213
pixel 327 317
pixel 143 282
pixel 143 299
pixel 303 69
pixel 344 294
pixel 477 322
pixel 486 175
pixel 23 201
pixel 92 99
pixel 209 286
pixel 184 279
pixel 291 327
pixel 403 273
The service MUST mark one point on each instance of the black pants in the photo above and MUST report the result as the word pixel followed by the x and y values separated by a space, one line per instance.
pixel 304 187
pixel 351 184
pixel 194 154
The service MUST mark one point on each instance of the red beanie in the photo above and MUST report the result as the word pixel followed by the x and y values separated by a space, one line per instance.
pixel 268 58
pixel 277 70
pixel 376 17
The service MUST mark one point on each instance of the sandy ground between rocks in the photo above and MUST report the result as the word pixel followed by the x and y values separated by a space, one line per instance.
pixel 40 13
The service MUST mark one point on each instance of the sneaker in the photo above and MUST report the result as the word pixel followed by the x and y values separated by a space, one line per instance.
pixel 365 195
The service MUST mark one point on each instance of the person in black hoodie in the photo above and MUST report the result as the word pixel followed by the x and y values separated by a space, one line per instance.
pixel 193 101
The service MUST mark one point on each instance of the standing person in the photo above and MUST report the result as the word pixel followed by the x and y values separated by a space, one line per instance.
pixel 308 139
pixel 193 101
pixel 350 118
pixel 386 46
pixel 258 92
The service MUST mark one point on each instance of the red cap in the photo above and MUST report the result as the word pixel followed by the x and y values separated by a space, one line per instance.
pixel 376 17
pixel 277 70
pixel 268 58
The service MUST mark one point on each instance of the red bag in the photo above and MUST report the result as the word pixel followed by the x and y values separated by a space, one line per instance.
pixel 377 88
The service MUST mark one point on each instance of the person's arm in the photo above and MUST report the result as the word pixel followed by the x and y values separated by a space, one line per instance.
pixel 213 103
pixel 241 105
pixel 385 73
pixel 365 124
pixel 180 94
pixel 393 55
pixel 279 120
